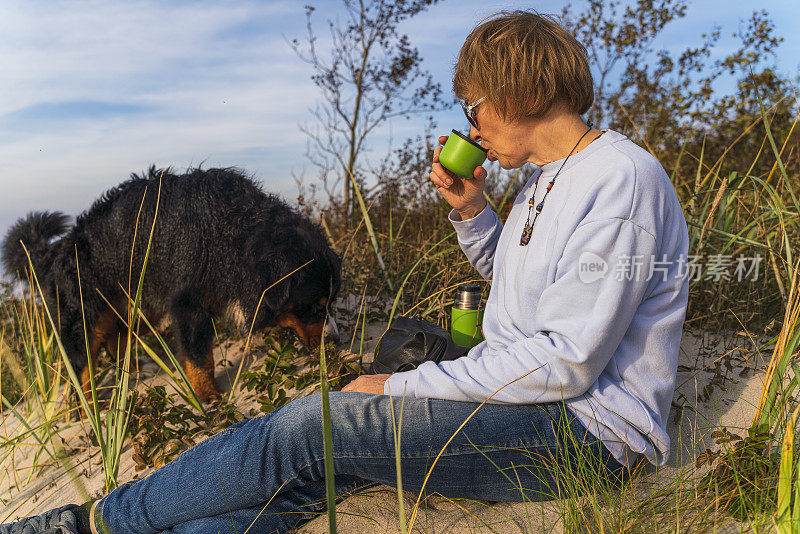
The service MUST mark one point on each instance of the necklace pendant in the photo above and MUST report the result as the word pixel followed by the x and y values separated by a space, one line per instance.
pixel 526 235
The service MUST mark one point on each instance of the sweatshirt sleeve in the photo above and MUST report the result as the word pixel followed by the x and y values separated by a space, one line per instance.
pixel 478 238
pixel 580 320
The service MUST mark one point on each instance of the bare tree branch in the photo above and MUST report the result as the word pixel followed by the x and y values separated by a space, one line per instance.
pixel 372 74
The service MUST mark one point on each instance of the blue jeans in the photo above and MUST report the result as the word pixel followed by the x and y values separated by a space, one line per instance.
pixel 224 483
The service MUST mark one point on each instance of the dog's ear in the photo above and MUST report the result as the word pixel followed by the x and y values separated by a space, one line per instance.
pixel 276 255
pixel 278 286
pixel 297 249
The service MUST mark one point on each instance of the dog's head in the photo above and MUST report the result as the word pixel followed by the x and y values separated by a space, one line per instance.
pixel 312 290
pixel 303 275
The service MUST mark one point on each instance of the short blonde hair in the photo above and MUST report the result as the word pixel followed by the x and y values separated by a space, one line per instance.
pixel 524 63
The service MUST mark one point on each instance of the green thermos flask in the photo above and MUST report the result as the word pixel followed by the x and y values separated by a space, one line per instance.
pixel 466 316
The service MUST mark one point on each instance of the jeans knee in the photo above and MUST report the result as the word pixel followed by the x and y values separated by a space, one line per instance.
pixel 300 421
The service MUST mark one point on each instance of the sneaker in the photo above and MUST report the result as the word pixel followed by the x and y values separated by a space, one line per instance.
pixel 62 520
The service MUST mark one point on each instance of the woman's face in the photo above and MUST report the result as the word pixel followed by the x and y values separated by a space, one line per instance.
pixel 505 140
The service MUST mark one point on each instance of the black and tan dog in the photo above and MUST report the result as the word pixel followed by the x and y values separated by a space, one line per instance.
pixel 219 242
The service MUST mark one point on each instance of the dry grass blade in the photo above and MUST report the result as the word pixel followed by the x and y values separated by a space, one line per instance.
pixel 784 349
pixel 712 211
pixel 265 506
pixel 370 229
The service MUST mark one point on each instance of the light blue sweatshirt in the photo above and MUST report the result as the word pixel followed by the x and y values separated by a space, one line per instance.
pixel 605 341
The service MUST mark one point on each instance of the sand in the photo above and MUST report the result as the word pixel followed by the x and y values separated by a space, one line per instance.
pixel 719 383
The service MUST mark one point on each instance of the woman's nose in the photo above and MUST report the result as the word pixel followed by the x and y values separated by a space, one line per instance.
pixel 474 133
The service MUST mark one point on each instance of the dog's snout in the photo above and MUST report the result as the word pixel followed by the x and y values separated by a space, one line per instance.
pixel 311 333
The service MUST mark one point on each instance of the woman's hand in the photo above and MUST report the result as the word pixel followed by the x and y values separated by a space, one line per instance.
pixel 465 196
pixel 368 384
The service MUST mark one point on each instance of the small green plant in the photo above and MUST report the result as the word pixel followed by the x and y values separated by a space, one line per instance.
pixel 275 377
pixel 163 428
pixel 287 370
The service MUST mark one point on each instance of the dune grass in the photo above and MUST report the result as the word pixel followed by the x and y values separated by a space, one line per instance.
pixel 751 480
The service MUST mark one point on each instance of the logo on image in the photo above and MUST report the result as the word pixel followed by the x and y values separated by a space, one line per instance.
pixel 591 267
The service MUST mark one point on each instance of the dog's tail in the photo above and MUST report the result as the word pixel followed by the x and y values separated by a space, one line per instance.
pixel 36 232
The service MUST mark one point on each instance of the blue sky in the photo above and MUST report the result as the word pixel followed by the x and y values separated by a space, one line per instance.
pixel 92 91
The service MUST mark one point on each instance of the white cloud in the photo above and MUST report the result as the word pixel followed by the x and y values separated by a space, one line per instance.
pixel 214 80
pixel 66 50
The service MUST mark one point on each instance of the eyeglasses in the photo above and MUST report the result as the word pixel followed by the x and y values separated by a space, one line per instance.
pixel 471 114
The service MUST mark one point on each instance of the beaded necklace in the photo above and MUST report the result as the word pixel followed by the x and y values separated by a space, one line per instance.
pixel 528 229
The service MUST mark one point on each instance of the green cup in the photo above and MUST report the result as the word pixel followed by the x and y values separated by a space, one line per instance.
pixel 461 155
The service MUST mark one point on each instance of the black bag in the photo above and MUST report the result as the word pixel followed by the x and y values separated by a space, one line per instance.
pixel 409 342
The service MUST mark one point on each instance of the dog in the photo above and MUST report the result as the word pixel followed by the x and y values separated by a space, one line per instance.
pixel 219 245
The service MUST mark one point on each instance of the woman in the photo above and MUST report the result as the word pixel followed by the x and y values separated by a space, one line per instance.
pixel 582 326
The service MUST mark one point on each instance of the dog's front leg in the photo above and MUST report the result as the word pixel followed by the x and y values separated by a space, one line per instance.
pixel 195 335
